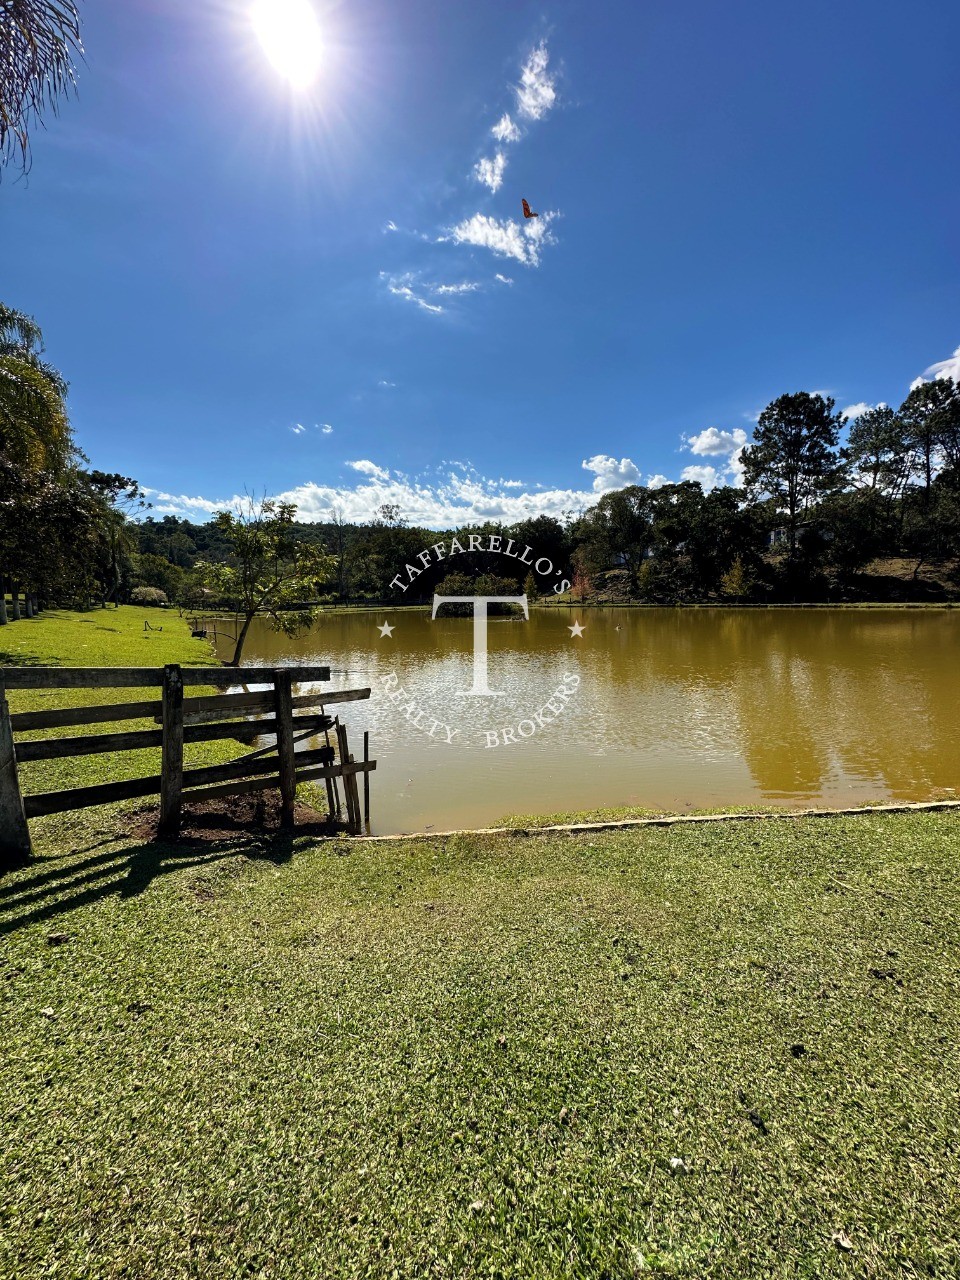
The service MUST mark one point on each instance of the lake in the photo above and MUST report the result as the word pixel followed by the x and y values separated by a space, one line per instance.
pixel 664 708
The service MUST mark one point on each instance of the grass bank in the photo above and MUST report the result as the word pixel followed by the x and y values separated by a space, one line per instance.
pixel 704 1052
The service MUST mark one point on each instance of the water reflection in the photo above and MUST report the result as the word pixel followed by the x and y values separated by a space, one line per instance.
pixel 675 708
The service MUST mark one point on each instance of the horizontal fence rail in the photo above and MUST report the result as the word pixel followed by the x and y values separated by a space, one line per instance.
pixel 150 677
pixel 263 711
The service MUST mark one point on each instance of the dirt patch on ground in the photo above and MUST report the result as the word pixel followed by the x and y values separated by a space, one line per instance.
pixel 224 819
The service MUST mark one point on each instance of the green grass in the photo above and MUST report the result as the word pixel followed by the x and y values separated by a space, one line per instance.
pixel 478 1058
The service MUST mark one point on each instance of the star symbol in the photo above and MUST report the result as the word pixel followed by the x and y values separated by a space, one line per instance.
pixel 576 630
pixel 385 630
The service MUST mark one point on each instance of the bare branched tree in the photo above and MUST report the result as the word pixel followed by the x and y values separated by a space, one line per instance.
pixel 39 40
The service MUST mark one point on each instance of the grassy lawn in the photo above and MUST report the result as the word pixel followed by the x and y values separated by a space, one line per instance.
pixel 723 1052
pixel 486 1058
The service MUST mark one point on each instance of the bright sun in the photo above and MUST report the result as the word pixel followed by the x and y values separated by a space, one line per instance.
pixel 290 35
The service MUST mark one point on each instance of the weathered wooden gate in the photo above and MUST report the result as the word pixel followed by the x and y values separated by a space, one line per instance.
pixel 244 716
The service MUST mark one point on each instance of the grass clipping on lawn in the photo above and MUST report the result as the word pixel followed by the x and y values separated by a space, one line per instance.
pixel 722 1051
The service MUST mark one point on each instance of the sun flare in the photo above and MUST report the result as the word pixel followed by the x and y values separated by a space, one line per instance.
pixel 289 32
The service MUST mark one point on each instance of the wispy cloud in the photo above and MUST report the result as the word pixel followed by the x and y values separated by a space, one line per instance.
pixel 505 130
pixel 403 287
pixel 468 286
pixel 298 429
pixel 536 95
pixel 503 279
pixel 368 468
pixel 537 91
pixel 949 368
pixel 490 171
pixel 505 238
pixel 326 428
pixel 857 410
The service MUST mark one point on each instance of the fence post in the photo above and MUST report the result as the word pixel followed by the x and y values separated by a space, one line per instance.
pixel 349 782
pixel 288 766
pixel 15 846
pixel 171 767
pixel 366 777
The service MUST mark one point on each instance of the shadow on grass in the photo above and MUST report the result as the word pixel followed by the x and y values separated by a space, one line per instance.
pixel 127 872
pixel 8 659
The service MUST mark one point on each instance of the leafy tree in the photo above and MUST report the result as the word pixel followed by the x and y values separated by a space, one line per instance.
pixel 270 568
pixel 879 451
pixel 39 40
pixel 931 417
pixel 148 595
pixel 34 429
pixel 736 581
pixel 154 571
pixel 794 458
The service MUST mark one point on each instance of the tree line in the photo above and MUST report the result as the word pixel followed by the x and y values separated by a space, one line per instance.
pixel 815 510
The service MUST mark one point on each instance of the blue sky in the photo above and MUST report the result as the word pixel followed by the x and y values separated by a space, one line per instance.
pixel 327 293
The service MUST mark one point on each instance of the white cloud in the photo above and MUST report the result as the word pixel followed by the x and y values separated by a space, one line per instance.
pixel 505 130
pixel 917 382
pixel 382 382
pixel 298 429
pixel 390 226
pixel 402 287
pixel 326 428
pixel 611 474
pixel 949 368
pixel 507 239
pixel 503 279
pixel 458 495
pixel 734 472
pixel 707 477
pixel 468 286
pixel 490 172
pixel 536 92
pixel 657 481
pixel 368 468
pixel 712 442
pixel 857 410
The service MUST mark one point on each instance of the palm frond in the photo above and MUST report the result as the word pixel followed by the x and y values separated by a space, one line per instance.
pixel 39 40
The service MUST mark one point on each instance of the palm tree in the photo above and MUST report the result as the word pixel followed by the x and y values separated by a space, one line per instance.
pixel 38 42
pixel 34 429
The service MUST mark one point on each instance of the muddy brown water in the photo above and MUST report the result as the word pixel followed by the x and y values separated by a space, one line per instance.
pixel 664 708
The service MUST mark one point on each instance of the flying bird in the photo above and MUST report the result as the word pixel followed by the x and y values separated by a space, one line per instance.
pixel 527 211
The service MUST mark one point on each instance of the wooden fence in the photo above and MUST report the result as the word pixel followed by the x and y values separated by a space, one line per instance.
pixel 243 716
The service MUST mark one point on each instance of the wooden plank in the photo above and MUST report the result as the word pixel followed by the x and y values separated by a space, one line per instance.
pixel 246 786
pixel 222 706
pixel 171 767
pixel 245 766
pixel 37 806
pixel 139 739
pixel 88 745
pixel 283 689
pixel 152 677
pixel 24 721
pixel 15 846
pixel 85 797
pixel 340 695
pixel 307 726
